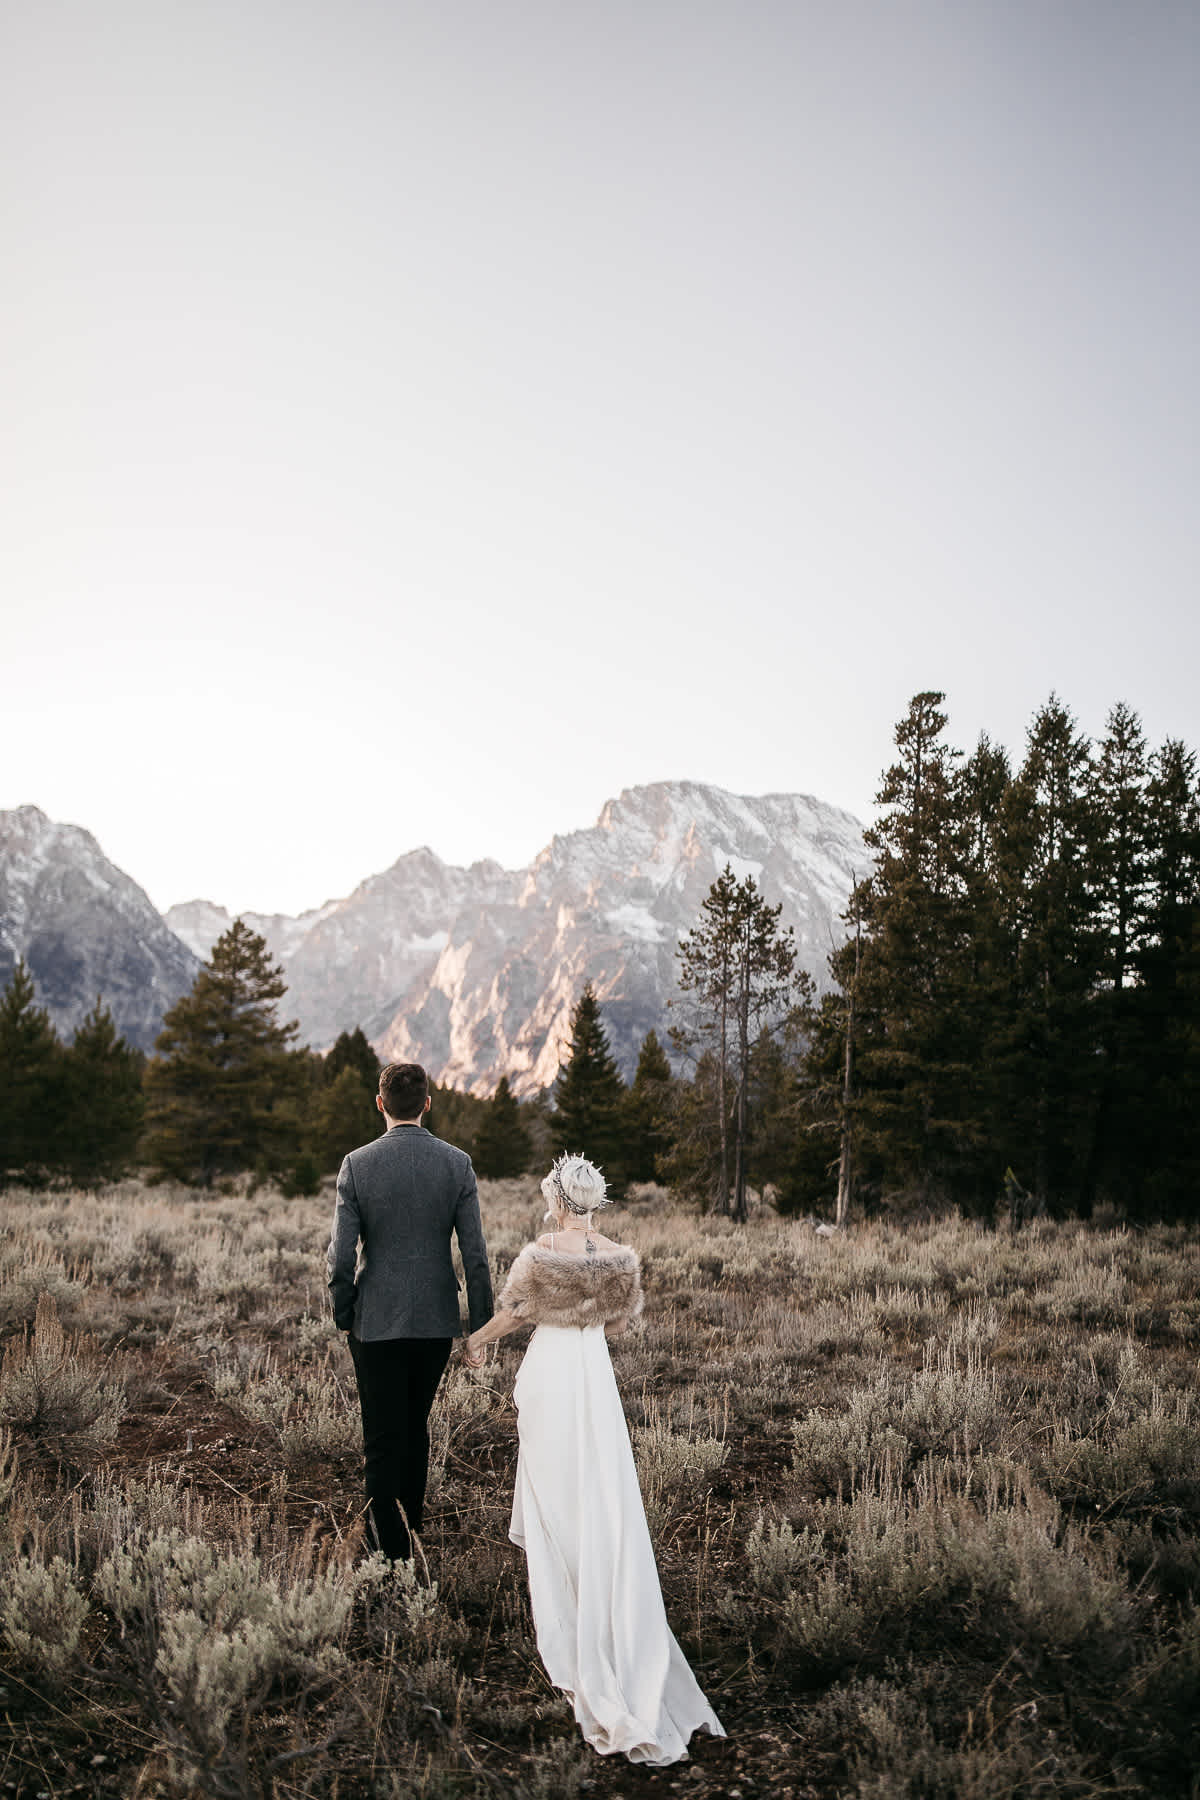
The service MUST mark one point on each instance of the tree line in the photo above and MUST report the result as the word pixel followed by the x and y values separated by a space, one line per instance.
pixel 1017 1009
pixel 229 1091
pixel 1014 1016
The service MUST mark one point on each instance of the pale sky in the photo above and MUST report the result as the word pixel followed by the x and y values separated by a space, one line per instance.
pixel 419 422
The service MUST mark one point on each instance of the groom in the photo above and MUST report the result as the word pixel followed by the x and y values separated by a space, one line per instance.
pixel 394 1290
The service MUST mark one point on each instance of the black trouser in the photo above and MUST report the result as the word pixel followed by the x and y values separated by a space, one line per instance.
pixel 397 1379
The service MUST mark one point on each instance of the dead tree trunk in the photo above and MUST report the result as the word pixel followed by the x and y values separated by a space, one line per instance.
pixel 723 1110
pixel 846 1160
pixel 740 1212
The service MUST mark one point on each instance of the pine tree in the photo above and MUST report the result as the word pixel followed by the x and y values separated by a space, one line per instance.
pixel 1119 877
pixel 1164 1151
pixel 981 995
pixel 341 1107
pixel 455 1116
pixel 794 1141
pixel 765 976
pixel 1043 1054
pixel 912 1056
pixel 502 1144
pixel 691 1163
pixel 647 1111
pixel 30 1082
pixel 222 1091
pixel 705 1017
pixel 737 973
pixel 589 1095
pixel 353 1051
pixel 1119 861
pixel 343 1116
pixel 103 1103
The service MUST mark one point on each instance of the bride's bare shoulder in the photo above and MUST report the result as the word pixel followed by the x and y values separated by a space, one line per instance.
pixel 574 1243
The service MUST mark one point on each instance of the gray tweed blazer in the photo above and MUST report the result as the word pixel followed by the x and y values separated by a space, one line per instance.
pixel 390 1271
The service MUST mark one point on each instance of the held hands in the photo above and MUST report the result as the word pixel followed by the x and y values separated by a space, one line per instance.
pixel 473 1356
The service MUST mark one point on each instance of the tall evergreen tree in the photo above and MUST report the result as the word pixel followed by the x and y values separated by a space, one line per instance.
pixel 794 1141
pixel 1164 1158
pixel 351 1050
pixel 910 1110
pixel 765 976
pixel 502 1144
pixel 1119 877
pixel 691 1163
pixel 589 1095
pixel 647 1111
pixel 980 996
pixel 342 1115
pixel 1044 1049
pixel 222 1090
pixel 103 1107
pixel 1120 844
pixel 704 1022
pixel 736 975
pixel 455 1116
pixel 341 1104
pixel 30 1081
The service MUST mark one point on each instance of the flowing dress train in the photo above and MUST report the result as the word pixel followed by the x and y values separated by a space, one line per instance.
pixel 602 1632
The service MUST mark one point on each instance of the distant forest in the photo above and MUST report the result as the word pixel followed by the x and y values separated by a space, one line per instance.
pixel 1013 1024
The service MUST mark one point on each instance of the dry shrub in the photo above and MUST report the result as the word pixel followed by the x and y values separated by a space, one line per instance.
pixel 26 1274
pixel 933 1563
pixel 897 1748
pixel 209 1637
pixel 829 1449
pixel 779 1558
pixel 669 1461
pixel 121 1510
pixel 1150 1464
pixel 42 1613
pixel 951 1400
pixel 57 1393
pixel 310 1409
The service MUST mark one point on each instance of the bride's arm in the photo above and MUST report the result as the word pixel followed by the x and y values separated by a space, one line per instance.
pixel 498 1326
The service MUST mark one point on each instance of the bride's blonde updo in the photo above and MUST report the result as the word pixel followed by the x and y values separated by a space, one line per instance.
pixel 574 1185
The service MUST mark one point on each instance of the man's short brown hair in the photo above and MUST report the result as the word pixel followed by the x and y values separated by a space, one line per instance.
pixel 404 1089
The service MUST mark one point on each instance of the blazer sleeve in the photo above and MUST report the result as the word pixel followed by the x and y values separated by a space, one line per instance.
pixel 342 1255
pixel 468 1228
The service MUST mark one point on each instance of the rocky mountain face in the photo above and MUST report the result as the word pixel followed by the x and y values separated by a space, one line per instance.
pixel 84 928
pixel 474 972
pixel 352 961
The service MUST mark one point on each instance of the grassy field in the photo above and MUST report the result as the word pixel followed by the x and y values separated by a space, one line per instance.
pixel 926 1502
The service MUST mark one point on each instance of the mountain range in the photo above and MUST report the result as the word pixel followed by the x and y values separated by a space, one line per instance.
pixel 85 929
pixel 471 971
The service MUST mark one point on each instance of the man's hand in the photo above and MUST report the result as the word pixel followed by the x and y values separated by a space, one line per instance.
pixel 474 1359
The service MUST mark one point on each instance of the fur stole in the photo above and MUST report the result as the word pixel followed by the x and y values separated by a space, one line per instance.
pixel 551 1287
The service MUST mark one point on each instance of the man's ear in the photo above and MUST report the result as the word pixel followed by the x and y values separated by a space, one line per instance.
pixel 428 1103
pixel 379 1101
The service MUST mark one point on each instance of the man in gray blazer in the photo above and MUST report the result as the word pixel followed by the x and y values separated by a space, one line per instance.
pixel 394 1290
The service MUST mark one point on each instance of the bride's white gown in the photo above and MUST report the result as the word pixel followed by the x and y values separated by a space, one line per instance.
pixel 577 1513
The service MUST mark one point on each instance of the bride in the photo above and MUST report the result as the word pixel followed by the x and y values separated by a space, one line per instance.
pixel 577 1512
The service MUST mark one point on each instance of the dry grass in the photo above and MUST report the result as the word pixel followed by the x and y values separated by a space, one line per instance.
pixel 926 1502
